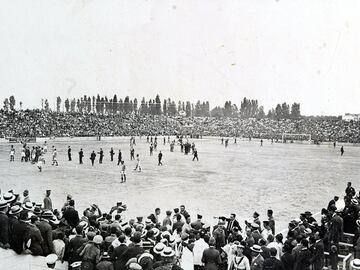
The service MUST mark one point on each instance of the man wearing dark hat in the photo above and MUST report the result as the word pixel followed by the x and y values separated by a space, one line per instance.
pixel 4 225
pixel 46 232
pixel 211 256
pixel 117 254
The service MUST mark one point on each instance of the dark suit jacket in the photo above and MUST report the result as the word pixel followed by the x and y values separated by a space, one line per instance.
pixel 21 236
pixel 257 263
pixel 12 221
pixel 71 216
pixel 288 261
pixel 335 229
pixel 46 233
pixel 317 259
pixel 118 258
pixel 36 240
pixel 132 252
pixel 273 263
pixel 302 261
pixel 4 228
pixel 231 225
pixel 74 244
pixel 211 258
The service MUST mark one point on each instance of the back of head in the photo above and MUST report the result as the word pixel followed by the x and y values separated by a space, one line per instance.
pixel 273 251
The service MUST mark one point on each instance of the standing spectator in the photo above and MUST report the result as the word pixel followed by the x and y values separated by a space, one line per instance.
pixel 211 256
pixel 257 260
pixel 271 220
pixel 199 246
pixel 26 196
pixel 47 200
pixel 71 215
pixel 317 258
pixel 272 262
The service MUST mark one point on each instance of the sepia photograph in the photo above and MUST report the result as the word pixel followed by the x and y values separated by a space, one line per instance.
pixel 180 135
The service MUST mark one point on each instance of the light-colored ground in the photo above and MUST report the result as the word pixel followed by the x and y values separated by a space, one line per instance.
pixel 243 178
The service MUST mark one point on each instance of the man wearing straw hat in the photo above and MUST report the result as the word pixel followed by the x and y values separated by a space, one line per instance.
pixel 355 264
pixel 257 260
pixel 167 257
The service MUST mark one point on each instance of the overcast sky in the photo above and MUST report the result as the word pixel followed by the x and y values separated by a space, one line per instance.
pixel 273 50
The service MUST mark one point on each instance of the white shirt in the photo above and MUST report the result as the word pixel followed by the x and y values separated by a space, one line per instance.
pixel 244 264
pixel 198 250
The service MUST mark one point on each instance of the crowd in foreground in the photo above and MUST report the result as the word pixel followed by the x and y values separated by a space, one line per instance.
pixel 38 123
pixel 93 239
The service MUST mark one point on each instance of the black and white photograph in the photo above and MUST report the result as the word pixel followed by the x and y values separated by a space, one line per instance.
pixel 180 135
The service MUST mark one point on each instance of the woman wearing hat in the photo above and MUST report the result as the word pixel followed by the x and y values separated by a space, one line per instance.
pixel 239 261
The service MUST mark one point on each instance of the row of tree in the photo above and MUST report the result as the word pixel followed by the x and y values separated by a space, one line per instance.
pixel 249 108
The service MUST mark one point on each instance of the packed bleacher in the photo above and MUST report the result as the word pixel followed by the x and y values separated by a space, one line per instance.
pixel 175 239
pixel 38 123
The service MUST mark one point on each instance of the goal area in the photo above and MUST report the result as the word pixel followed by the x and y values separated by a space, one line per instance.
pixel 299 137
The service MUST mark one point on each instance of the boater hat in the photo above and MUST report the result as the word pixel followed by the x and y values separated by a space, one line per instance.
pixel 15 210
pixel 3 204
pixel 358 222
pixel 355 264
pixel 156 232
pixel 28 206
pixel 51 259
pixel 355 201
pixel 145 255
pixel 167 252
pixel 47 214
pixel 158 248
pixel 9 197
pixel 256 248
